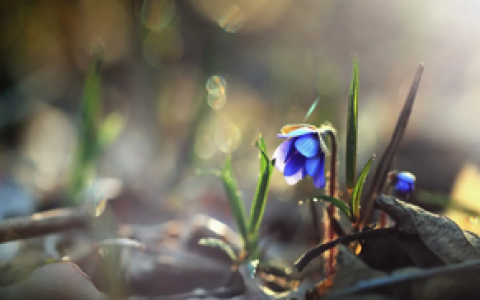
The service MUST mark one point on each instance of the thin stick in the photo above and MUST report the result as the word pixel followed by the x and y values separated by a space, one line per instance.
pixel 311 254
pixel 42 223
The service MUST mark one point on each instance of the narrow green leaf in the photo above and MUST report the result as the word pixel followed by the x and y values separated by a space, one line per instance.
pixel 88 144
pixel 236 203
pixel 220 244
pixel 342 206
pixel 260 199
pixel 357 190
pixel 260 144
pixel 352 128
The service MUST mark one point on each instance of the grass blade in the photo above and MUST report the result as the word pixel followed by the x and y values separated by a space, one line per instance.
pixel 236 203
pixel 342 206
pixel 352 128
pixel 357 190
pixel 220 244
pixel 88 147
pixel 260 199
pixel 386 160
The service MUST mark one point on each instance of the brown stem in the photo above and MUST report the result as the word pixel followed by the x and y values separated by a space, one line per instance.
pixel 330 267
pixel 314 214
pixel 42 223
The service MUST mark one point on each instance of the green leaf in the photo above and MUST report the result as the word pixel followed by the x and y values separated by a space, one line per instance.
pixel 220 244
pixel 357 190
pixel 260 199
pixel 233 196
pixel 352 128
pixel 110 128
pixel 260 144
pixel 88 145
pixel 342 206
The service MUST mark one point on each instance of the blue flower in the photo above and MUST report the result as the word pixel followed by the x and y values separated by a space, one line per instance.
pixel 303 153
pixel 404 183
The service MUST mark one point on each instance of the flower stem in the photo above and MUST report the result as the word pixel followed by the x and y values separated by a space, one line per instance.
pixel 331 209
pixel 314 214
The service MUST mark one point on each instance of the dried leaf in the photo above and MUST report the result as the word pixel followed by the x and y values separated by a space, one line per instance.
pixel 440 234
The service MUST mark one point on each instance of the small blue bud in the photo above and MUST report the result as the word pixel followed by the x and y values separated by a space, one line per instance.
pixel 404 183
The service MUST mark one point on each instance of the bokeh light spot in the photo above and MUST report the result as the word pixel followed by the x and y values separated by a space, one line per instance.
pixel 157 14
pixel 162 47
pixel 216 85
pixel 227 137
pixel 232 20
pixel 216 101
pixel 205 147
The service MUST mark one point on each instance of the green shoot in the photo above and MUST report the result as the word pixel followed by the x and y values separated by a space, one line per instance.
pixel 357 191
pixel 352 129
pixel 260 199
pixel 236 204
pixel 88 148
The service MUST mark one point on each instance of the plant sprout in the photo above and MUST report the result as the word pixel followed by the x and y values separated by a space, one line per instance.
pixel 95 133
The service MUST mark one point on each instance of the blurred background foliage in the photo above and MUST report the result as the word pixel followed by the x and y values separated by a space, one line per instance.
pixel 273 58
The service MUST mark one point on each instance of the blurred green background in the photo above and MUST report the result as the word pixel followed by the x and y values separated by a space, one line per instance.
pixel 273 59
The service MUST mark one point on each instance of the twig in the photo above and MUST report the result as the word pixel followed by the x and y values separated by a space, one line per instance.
pixel 42 223
pixel 311 254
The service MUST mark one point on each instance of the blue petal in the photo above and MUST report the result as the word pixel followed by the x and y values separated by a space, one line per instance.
pixel 308 145
pixel 281 154
pixel 297 132
pixel 402 187
pixel 293 179
pixel 406 177
pixel 294 164
pixel 312 165
pixel 319 179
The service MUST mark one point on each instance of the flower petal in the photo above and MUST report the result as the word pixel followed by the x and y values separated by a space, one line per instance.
pixel 402 187
pixel 319 178
pixel 406 177
pixel 281 154
pixel 312 165
pixel 308 145
pixel 293 179
pixel 294 164
pixel 297 132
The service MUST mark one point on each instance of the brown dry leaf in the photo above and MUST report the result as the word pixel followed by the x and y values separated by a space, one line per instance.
pixel 440 234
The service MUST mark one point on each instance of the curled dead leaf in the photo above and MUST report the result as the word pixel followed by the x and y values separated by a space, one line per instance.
pixel 440 234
